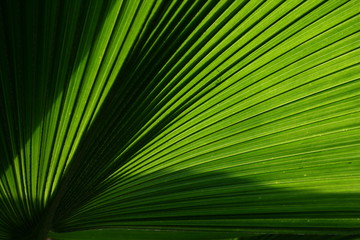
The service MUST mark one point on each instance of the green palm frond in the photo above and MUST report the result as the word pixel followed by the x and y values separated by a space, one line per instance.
pixel 131 119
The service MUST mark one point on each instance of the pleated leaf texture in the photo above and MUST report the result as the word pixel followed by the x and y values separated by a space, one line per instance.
pixel 181 119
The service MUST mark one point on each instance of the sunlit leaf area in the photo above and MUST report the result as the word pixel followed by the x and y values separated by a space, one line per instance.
pixel 179 119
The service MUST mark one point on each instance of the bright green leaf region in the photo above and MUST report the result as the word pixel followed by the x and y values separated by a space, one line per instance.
pixel 179 119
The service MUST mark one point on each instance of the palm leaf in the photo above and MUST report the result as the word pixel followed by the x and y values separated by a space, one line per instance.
pixel 179 119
